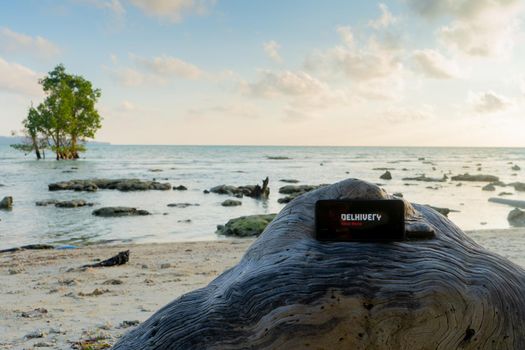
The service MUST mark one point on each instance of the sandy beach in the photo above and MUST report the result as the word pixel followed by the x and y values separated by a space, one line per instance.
pixel 48 302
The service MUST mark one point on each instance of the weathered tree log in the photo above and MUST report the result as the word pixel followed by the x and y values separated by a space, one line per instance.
pixel 290 291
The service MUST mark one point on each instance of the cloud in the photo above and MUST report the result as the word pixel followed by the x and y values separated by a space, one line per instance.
pixel 488 102
pixel 375 59
pixel 385 20
pixel 404 114
pixel 170 66
pixel 156 71
pixel 272 50
pixel 238 110
pixel 13 42
pixel 18 79
pixel 127 106
pixel 285 83
pixel 434 65
pixel 114 6
pixel 479 27
pixel 173 10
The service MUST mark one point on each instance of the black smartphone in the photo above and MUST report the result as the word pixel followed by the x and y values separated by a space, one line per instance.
pixel 360 220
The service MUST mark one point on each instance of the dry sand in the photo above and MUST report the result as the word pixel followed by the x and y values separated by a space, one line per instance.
pixel 45 305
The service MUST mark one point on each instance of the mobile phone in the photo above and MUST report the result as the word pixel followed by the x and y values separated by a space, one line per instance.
pixel 360 220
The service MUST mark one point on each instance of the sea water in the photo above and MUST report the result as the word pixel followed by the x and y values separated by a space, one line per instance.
pixel 202 167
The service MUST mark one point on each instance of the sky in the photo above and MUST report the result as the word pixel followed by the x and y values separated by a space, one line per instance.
pixel 281 72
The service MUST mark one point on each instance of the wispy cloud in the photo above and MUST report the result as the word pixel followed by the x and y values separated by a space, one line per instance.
pixel 14 42
pixel 271 48
pixel 488 102
pixel 433 64
pixel 173 10
pixel 18 79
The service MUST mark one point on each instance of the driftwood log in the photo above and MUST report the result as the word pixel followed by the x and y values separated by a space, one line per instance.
pixel 289 291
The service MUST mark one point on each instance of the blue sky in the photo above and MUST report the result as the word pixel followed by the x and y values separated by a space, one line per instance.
pixel 405 72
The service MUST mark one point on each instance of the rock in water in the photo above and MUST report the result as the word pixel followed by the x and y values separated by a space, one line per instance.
pixel 386 176
pixel 516 167
pixel 516 217
pixel 124 185
pixel 231 203
pixel 290 291
pixel 477 177
pixel 246 226
pixel 489 187
pixel 119 211
pixel 6 203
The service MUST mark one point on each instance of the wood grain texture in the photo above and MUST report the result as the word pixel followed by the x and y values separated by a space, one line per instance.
pixel 290 291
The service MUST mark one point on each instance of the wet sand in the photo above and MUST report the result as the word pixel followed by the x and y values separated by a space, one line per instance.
pixel 47 303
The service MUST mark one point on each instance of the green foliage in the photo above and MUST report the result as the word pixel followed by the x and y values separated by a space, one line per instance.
pixel 66 117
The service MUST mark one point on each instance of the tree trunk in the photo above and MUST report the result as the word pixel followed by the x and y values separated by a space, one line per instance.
pixel 74 151
pixel 35 146
pixel 290 291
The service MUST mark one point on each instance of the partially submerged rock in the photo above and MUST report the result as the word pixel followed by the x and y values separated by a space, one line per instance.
pixel 424 178
pixel 246 226
pixel 290 181
pixel 386 176
pixel 475 177
pixel 512 202
pixel 183 205
pixel 294 191
pixel 119 211
pixel 442 211
pixel 254 191
pixel 488 187
pixel 278 157
pixel 516 167
pixel 516 217
pixel 180 188
pixel 6 203
pixel 518 186
pixel 231 203
pixel 73 203
pixel 125 185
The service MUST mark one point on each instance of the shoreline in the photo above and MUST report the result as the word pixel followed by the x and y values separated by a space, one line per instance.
pixel 48 302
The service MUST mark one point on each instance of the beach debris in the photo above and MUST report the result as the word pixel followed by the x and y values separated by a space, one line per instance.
pixel 386 176
pixel 231 203
pixel 124 185
pixel 119 211
pixel 95 293
pixel 6 203
pixel 113 282
pixel 254 191
pixel 120 259
pixel 182 205
pixel 246 226
pixel 398 194
pixel 28 247
pixel 165 265
pixel 512 202
pixel 93 340
pixel 35 313
pixel 180 188
pixel 35 334
pixel 426 179
pixel 476 177
pixel 488 187
pixel 515 167
pixel 516 217
pixel 290 181
pixel 127 324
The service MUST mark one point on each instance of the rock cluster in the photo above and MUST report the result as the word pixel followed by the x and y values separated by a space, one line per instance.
pixel 477 178
pixel 246 226
pixel 119 211
pixel 125 185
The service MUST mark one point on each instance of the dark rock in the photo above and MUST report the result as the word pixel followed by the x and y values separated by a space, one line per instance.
pixel 505 194
pixel 46 202
pixel 383 169
pixel 290 181
pixel 443 211
pixel 73 204
pixel 180 188
pixel 516 217
pixel 425 179
pixel 518 186
pixel 398 194
pixel 127 324
pixel 246 226
pixel 231 203
pixel 512 202
pixel 120 259
pixel 119 211
pixel 6 203
pixel 155 170
pixel 118 184
pixel 515 167
pixel 206 191
pixel 254 191
pixel 489 187
pixel 294 191
pixel 186 221
pixel 477 177
pixel 277 157
pixel 182 205
pixel 386 176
